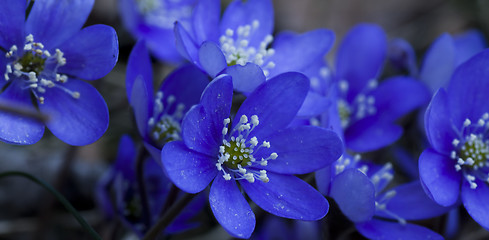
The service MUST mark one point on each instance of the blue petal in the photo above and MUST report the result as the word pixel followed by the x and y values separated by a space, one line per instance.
pixel 412 203
pixel 371 134
pixel 3 63
pixel 231 209
pixel 287 196
pixel 125 160
pixel 438 63
pixel 438 175
pixel 323 180
pixel 240 13
pixel 139 66
pixel 361 56
pixel 205 19
pixel 302 150
pixel 275 102
pixel 91 53
pixel 52 22
pixel 185 44
pixel 76 121
pixel 297 52
pixel 12 18
pixel 142 106
pixel 246 78
pixel 398 96
pixel 102 196
pixel 211 58
pixel 17 129
pixel 188 170
pixel 468 44
pixel 384 230
pixel 469 85
pixel 402 55
pixel 438 124
pixel 161 43
pixel 355 195
pixel 314 104
pixel 186 219
pixel 154 152
pixel 475 201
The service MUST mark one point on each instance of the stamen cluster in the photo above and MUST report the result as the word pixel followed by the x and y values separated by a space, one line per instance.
pixel 159 14
pixel 362 106
pixel 163 126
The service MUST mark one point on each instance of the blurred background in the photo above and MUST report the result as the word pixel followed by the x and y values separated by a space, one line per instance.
pixel 30 212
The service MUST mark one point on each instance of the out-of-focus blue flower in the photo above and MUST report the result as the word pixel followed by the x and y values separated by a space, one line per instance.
pixel 119 195
pixel 241 43
pixel 43 59
pixel 255 150
pixel 159 117
pixel 457 163
pixel 279 228
pixel 153 21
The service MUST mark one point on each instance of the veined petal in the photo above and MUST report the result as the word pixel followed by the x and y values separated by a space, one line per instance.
pixel 139 66
pixel 358 136
pixel 17 129
pixel 384 230
pixel 205 19
pixel 246 78
pixel 231 209
pixel 211 58
pixel 188 170
pixel 475 201
pixel 12 18
pixel 275 102
pixel 355 195
pixel 76 121
pixel 302 150
pixel 441 180
pixel 287 196
pixel 52 22
pixel 91 53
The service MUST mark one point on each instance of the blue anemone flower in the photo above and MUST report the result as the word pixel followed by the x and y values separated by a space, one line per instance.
pixel 255 149
pixel 153 21
pixel 43 57
pixel 159 117
pixel 457 163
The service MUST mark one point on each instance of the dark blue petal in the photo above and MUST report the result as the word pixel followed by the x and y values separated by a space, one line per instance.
pixel 139 66
pixel 186 219
pixel 154 152
pixel 355 195
pixel 17 129
pixel 189 170
pixel 211 58
pixel 298 52
pixel 3 63
pixel 205 19
pixel 361 56
pixel 438 124
pixel 323 180
pixel 302 149
pixel 240 13
pixel 231 209
pixel 102 194
pixel 246 78
pixel 412 203
pixel 371 133
pixel 314 104
pixel 438 175
pixel 141 104
pixel 76 121
pixel 469 85
pixel 438 63
pixel 185 44
pixel 161 43
pixel 398 96
pixel 475 202
pixel 402 55
pixel 12 19
pixel 52 22
pixel 468 44
pixel 126 158
pixel 287 196
pixel 384 230
pixel 91 53
pixel 275 102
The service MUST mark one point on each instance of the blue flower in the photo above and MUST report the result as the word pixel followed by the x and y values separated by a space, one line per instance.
pixel 43 59
pixel 159 117
pixel 255 150
pixel 241 43
pixel 153 21
pixel 457 163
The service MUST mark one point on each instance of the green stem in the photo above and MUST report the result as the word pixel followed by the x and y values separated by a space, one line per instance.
pixel 60 197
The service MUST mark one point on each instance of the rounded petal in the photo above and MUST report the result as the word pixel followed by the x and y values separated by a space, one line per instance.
pixel 139 66
pixel 52 22
pixel 475 201
pixel 18 129
pixel 361 56
pixel 287 196
pixel 441 180
pixel 438 124
pixel 275 102
pixel 371 134
pixel 231 209
pixel 246 78
pixel 355 195
pixel 76 121
pixel 302 150
pixel 91 53
pixel 187 169
pixel 205 20
pixel 211 58
pixel 384 230
pixel 12 18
